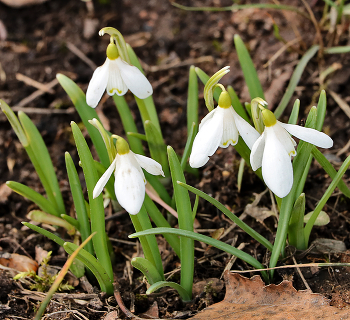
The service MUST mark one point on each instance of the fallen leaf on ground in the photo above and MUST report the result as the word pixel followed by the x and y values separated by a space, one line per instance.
pixel 21 3
pixel 252 299
pixel 18 262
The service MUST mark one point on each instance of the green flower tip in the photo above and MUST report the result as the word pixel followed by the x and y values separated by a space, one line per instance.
pixel 122 146
pixel 112 51
pixel 224 100
pixel 268 118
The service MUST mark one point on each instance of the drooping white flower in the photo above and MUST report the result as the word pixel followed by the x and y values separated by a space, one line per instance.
pixel 220 128
pixel 116 76
pixel 130 180
pixel 275 148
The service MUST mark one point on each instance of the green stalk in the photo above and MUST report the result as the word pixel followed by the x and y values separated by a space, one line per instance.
pixel 188 147
pixel 208 240
pixel 97 214
pixel 79 202
pixel 152 241
pixel 128 123
pixel 192 101
pixel 149 103
pixel 160 221
pixel 185 220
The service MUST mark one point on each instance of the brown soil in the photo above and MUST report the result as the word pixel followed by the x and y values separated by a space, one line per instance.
pixel 39 45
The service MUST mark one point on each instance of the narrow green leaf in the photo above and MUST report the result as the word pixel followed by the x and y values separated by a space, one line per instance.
pixel 248 68
pixel 184 210
pixel 34 196
pixel 161 284
pixel 45 233
pixel 340 49
pixel 147 268
pixel 79 202
pixel 86 113
pixel 16 126
pixel 321 110
pixel 94 265
pixel 188 147
pixel 293 118
pixel 294 80
pixel 97 214
pixel 296 224
pixel 327 166
pixel 160 221
pixel 255 235
pixel 324 199
pixel 71 220
pixel 208 240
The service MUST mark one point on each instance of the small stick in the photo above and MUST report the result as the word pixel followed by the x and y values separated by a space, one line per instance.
pixel 34 83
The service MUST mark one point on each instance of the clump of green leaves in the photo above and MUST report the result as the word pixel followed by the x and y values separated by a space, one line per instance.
pixel 44 282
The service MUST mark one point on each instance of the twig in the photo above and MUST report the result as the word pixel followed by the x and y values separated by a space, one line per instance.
pixel 178 64
pixel 33 83
pixel 44 111
pixel 36 94
pixel 301 275
pixel 81 55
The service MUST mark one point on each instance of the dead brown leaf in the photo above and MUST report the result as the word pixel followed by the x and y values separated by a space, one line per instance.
pixel 251 299
pixel 21 3
pixel 5 191
pixel 18 262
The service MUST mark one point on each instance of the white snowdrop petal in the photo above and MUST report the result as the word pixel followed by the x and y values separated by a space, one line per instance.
pixel 129 186
pixel 284 137
pixel 230 132
pixel 104 179
pixel 206 118
pixel 246 131
pixel 277 169
pixel 134 79
pixel 97 85
pixel 257 152
pixel 115 82
pixel 150 165
pixel 207 140
pixel 312 136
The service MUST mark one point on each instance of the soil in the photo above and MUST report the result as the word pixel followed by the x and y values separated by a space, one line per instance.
pixel 40 40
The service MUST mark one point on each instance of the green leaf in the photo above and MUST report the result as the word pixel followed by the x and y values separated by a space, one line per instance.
pixel 248 68
pixel 79 202
pixel 161 284
pixel 147 268
pixel 94 265
pixel 255 235
pixel 294 80
pixel 184 210
pixel 237 105
pixel 296 224
pixel 293 118
pixel 192 101
pixel 208 240
pixel 97 215
pixel 34 196
pixel 45 233
pixel 86 113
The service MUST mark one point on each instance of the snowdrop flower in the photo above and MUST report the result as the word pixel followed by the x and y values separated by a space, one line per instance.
pixel 220 128
pixel 116 76
pixel 275 148
pixel 130 180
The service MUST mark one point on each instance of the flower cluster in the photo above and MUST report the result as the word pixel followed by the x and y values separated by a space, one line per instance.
pixel 272 150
